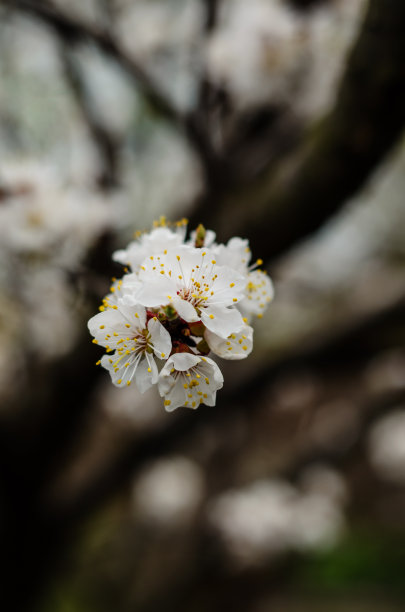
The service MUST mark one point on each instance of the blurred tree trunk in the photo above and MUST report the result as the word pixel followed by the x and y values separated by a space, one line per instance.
pixel 294 197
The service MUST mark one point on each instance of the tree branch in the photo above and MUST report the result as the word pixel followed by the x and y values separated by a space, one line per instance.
pixel 105 142
pixel 211 14
pixel 290 201
pixel 73 30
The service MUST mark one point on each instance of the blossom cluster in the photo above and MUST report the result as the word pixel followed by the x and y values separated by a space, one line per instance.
pixel 178 301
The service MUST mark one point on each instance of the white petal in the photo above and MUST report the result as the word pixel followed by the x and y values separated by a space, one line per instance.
pixel 211 399
pixel 156 293
pixel 121 257
pixel 161 339
pixel 259 293
pixel 236 254
pixel 107 361
pixel 236 346
pixel 153 367
pixel 183 260
pixel 130 286
pixel 134 313
pixel 211 369
pixel 183 361
pixel 94 323
pixel 105 324
pixel 144 378
pixel 222 321
pixel 176 396
pixel 120 372
pixel 165 381
pixel 185 310
pixel 132 256
pixel 228 285
pixel 109 318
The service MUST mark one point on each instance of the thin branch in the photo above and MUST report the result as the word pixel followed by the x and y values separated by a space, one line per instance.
pixel 105 142
pixel 73 30
pixel 211 14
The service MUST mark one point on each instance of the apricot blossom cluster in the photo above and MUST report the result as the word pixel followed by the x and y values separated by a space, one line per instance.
pixel 178 301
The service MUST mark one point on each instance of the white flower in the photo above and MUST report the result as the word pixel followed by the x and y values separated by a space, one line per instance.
pixel 198 288
pixel 235 254
pixel 180 300
pixel 259 293
pixel 236 346
pixel 189 380
pixel 124 329
pixel 156 241
pixel 259 288
pixel 169 491
pixel 122 291
pixel 44 214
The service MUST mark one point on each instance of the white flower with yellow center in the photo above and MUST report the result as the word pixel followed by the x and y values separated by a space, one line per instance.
pixel 131 342
pixel 259 293
pixel 189 380
pixel 151 243
pixel 259 289
pixel 121 289
pixel 235 254
pixel 237 346
pixel 196 286
pixel 180 300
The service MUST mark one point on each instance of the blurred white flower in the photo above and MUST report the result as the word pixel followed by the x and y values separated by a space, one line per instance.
pixel 317 522
pixel 386 445
pixel 169 491
pixel 44 215
pixel 50 326
pixel 269 517
pixel 258 51
pixel 320 479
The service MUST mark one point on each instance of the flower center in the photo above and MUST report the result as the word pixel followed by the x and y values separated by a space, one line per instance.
pixel 194 294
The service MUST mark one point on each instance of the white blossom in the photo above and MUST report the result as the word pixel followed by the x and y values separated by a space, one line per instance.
pixel 169 491
pixel 43 214
pixel 126 333
pixel 259 293
pixel 189 380
pixel 259 288
pixel 386 446
pixel 269 517
pixel 191 281
pixel 237 346
pixel 182 298
pixel 152 243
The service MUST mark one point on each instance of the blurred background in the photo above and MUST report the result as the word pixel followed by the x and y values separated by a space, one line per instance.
pixel 276 120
